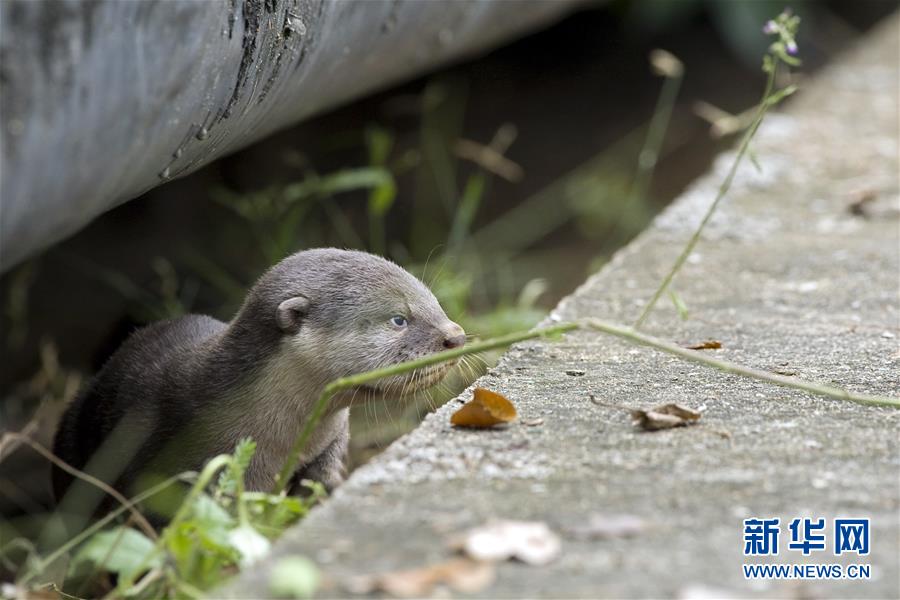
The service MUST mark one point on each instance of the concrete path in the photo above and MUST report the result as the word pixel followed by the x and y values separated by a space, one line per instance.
pixel 788 279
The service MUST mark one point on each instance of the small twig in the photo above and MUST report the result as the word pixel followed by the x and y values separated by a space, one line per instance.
pixel 138 517
pixel 151 576
pixel 59 591
pixel 19 542
pixel 7 446
pixel 40 565
pixel 595 400
pixel 722 123
pixel 488 159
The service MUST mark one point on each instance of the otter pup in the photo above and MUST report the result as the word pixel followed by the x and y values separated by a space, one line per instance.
pixel 179 392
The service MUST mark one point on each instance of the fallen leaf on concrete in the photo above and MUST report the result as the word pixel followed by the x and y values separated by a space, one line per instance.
pixel 531 542
pixel 460 574
pixel 707 345
pixel 14 592
pixel 664 417
pixel 859 207
pixel 599 526
pixel 485 409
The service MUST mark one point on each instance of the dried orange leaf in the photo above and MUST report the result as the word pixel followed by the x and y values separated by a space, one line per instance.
pixel 707 345
pixel 664 417
pixel 485 409
pixel 460 574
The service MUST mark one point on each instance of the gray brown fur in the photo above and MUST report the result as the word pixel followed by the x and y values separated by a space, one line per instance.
pixel 178 392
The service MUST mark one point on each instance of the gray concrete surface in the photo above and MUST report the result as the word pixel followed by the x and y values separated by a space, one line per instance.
pixel 788 279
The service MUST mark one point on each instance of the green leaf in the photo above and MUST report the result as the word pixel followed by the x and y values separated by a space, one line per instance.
pixel 379 141
pixel 382 198
pixel 122 551
pixel 210 514
pixel 354 179
pixel 779 95
pixel 200 554
pixel 273 513
pixel 243 454
pixel 294 577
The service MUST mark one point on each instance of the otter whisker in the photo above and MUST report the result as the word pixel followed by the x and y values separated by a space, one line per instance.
pixel 427 259
pixel 429 398
pixel 469 372
pixel 464 370
pixel 476 358
pixel 443 263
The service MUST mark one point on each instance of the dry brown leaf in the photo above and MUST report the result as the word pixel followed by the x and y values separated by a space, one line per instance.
pixel 14 592
pixel 707 345
pixel 531 542
pixel 860 205
pixel 460 574
pixel 664 417
pixel 485 409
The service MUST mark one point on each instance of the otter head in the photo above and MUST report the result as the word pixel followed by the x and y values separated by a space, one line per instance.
pixel 342 312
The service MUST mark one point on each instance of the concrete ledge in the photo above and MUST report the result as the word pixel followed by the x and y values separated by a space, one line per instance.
pixel 787 279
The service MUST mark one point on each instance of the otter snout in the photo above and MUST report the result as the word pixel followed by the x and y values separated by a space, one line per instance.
pixel 454 336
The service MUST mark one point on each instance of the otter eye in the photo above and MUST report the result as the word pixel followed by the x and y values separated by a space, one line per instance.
pixel 399 321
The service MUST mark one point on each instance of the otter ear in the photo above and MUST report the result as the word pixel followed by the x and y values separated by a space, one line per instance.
pixel 290 313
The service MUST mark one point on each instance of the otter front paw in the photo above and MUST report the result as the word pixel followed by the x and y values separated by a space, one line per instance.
pixel 329 479
pixel 327 468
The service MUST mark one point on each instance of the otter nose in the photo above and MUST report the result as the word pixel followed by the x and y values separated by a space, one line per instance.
pixel 454 337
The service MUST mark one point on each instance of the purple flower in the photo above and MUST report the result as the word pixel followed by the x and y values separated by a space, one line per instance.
pixel 791 47
pixel 770 27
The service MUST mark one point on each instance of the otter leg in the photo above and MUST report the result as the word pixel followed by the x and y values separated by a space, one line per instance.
pixel 328 468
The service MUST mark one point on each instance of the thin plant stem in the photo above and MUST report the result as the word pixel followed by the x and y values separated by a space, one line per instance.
pixel 293 459
pixel 648 157
pixel 627 333
pixel 141 520
pixel 656 133
pixel 635 337
pixel 723 189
